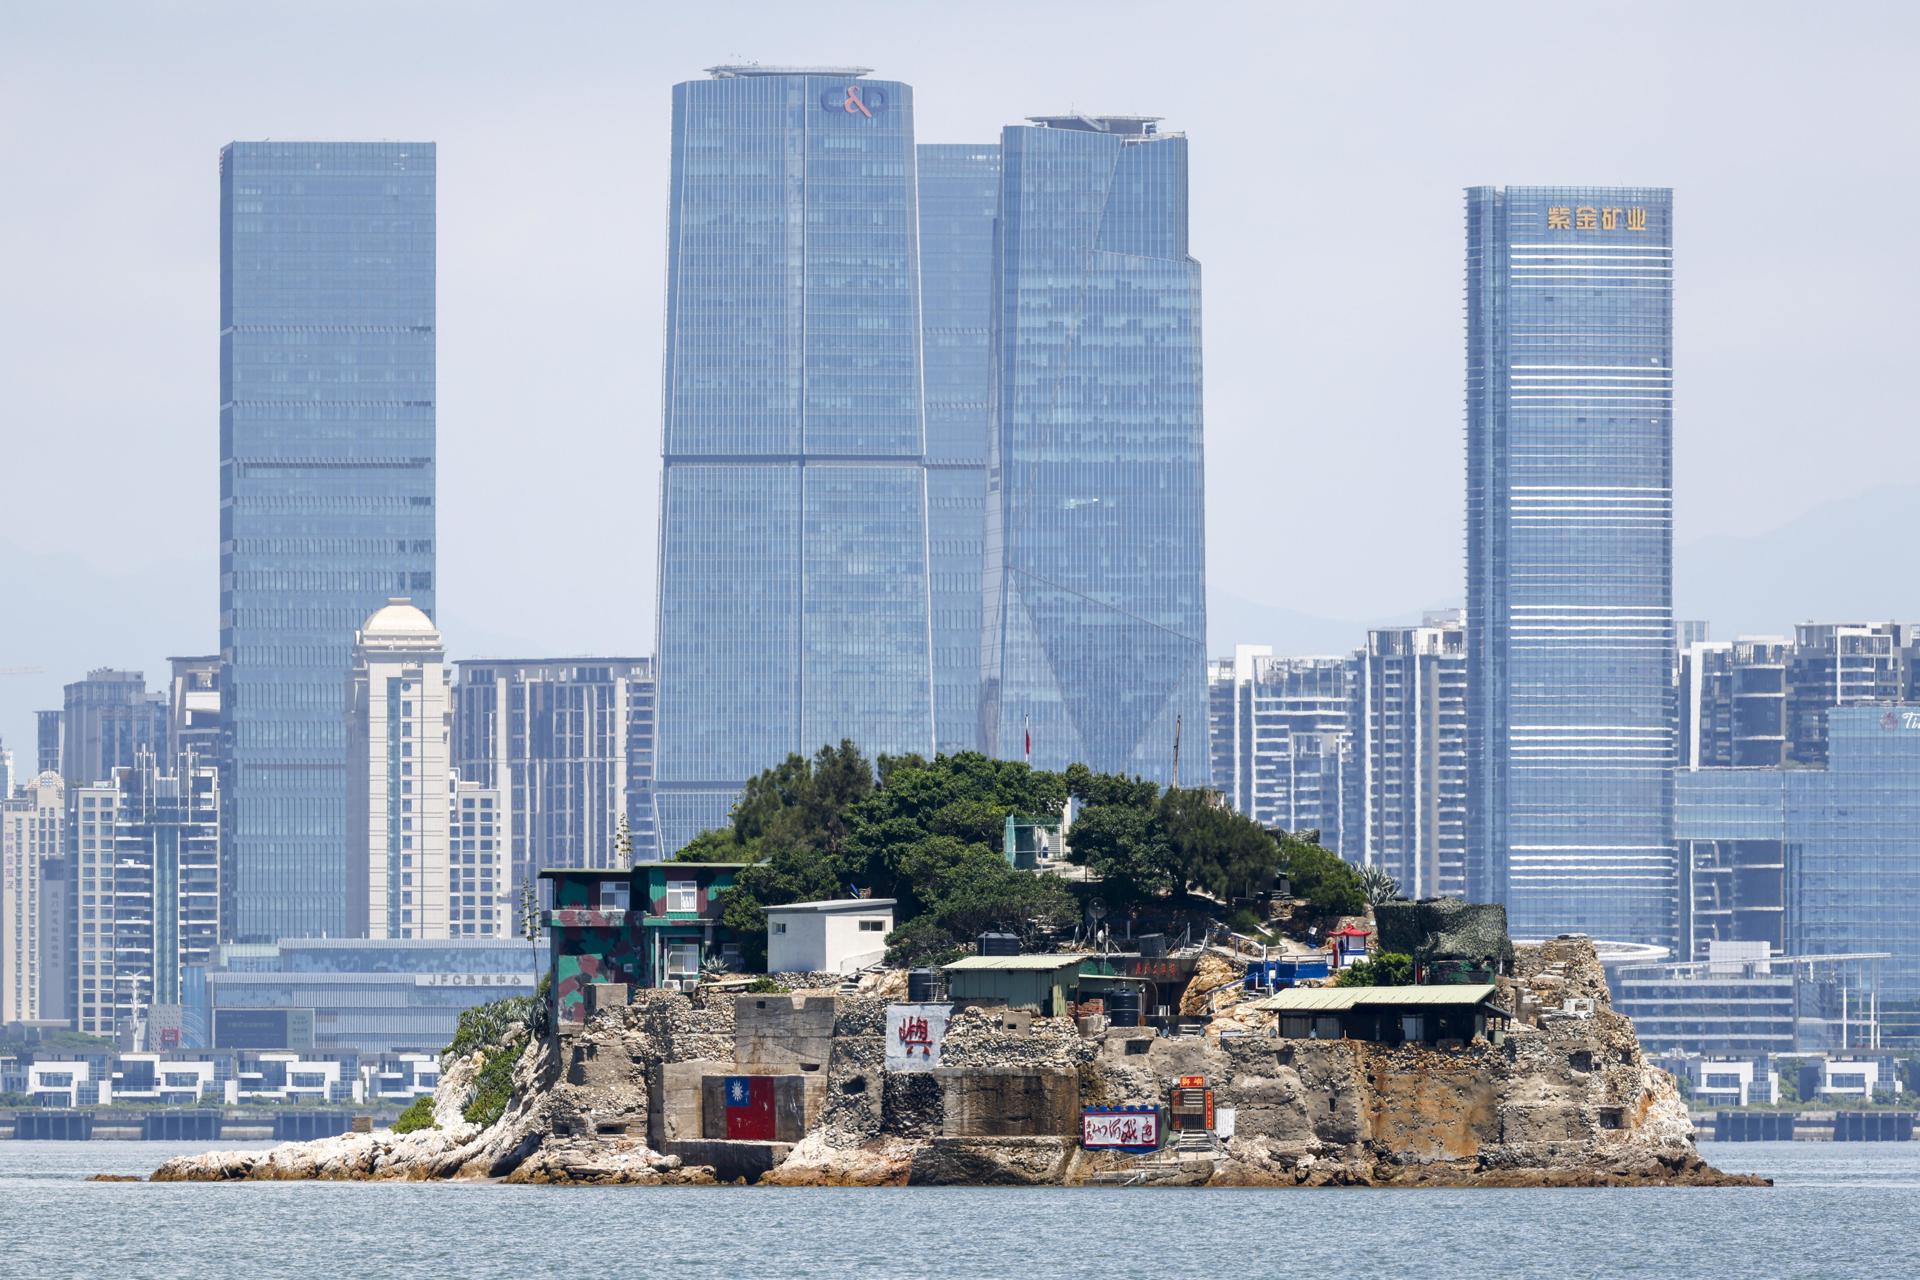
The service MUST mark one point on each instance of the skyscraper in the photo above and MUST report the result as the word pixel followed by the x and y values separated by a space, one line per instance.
pixel 1410 730
pixel 1093 644
pixel 1282 740
pixel 959 196
pixel 33 829
pixel 793 515
pixel 108 719
pixel 568 745
pixel 1570 628
pixel 326 485
pixel 397 791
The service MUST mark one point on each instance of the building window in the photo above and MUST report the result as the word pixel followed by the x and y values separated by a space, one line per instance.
pixel 779 927
pixel 683 895
pixel 873 926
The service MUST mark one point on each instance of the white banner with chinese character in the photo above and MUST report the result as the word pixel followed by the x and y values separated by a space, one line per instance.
pixel 914 1034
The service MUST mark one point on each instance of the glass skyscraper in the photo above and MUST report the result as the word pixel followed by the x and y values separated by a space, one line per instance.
pixel 959 195
pixel 326 486
pixel 1094 614
pixel 793 521
pixel 1570 632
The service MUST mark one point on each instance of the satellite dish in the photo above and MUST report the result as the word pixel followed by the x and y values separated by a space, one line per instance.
pixel 1097 909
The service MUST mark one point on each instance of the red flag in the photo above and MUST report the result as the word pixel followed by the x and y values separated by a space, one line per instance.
pixel 1026 727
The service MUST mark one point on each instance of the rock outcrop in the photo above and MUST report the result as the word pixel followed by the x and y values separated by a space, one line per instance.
pixel 1567 1100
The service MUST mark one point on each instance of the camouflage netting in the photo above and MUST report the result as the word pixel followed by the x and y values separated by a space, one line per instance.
pixel 1437 929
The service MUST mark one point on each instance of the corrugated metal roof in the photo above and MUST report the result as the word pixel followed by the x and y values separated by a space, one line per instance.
pixel 1031 963
pixel 1335 999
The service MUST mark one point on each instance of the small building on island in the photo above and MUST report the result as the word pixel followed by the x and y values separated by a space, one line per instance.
pixel 1388 1015
pixel 841 935
pixel 1044 984
pixel 657 925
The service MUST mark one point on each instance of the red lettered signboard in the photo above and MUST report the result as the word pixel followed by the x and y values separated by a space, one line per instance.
pixel 750 1108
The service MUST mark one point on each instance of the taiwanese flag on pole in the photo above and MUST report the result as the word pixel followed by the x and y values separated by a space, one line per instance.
pixel 750 1108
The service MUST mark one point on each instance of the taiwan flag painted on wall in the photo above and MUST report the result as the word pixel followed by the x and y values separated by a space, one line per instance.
pixel 750 1108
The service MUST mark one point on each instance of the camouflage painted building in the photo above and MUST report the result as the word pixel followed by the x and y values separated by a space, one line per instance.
pixel 653 926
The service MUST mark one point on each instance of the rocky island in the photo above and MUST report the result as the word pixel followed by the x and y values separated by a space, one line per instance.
pixel 649 1086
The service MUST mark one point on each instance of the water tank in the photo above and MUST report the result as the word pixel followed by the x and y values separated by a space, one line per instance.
pixel 923 986
pixel 1123 1006
pixel 999 944
pixel 1153 945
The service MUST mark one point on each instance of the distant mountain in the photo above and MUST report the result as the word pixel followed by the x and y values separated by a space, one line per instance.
pixel 1848 560
pixel 1233 619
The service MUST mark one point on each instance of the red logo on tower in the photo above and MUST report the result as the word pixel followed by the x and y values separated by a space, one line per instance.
pixel 860 100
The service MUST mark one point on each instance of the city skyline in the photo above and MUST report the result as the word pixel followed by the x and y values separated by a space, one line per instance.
pixel 1259 435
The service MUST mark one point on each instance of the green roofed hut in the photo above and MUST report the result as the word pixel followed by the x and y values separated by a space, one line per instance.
pixel 1389 1015
pixel 1045 984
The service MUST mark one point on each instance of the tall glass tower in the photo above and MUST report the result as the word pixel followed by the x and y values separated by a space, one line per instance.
pixel 1094 618
pixel 793 517
pixel 326 486
pixel 959 194
pixel 1570 633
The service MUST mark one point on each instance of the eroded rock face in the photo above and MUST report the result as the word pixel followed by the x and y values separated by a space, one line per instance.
pixel 1568 1100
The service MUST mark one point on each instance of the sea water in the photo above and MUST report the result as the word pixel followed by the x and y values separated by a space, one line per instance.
pixel 1837 1210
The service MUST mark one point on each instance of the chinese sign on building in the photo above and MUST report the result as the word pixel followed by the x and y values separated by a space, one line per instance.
pixel 1563 217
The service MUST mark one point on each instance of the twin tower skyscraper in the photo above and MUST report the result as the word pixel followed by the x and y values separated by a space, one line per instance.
pixel 931 441
pixel 932 461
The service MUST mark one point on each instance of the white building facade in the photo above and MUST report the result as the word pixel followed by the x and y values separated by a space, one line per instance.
pixel 839 936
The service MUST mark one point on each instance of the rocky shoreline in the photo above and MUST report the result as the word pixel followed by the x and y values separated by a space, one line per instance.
pixel 1566 1101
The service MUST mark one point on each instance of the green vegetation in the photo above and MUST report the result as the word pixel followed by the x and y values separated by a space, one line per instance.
pixel 486 1025
pixel 1386 969
pixel 52 1041
pixel 493 1084
pixel 928 833
pixel 1378 886
pixel 418 1115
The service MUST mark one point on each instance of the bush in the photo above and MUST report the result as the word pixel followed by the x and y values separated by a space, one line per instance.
pixel 1386 969
pixel 1244 921
pixel 764 986
pixel 418 1115
pixel 921 941
pixel 493 1085
pixel 486 1025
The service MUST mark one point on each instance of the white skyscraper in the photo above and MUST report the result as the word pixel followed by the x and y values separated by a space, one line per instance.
pixel 397 797
pixel 32 830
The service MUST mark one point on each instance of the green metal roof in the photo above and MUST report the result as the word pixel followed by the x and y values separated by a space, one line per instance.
pixel 1030 963
pixel 1334 999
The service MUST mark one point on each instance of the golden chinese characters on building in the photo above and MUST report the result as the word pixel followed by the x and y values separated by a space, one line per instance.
pixel 1563 217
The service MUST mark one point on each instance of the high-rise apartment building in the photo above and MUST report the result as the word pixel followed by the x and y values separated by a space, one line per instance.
pixel 959 197
pixel 1093 643
pixel 32 835
pixel 567 743
pixel 1838 664
pixel 107 721
pixel 793 525
pixel 479 902
pixel 1570 630
pixel 327 462
pixel 145 867
pixel 1410 747
pixel 1282 742
pixel 194 716
pixel 1733 703
pixel 398 709
pixel 48 731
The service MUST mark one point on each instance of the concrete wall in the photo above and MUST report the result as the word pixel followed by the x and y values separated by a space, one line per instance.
pixel 1012 1102
pixel 775 1033
pixel 797 1103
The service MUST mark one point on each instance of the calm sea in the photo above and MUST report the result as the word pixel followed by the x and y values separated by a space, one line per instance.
pixel 1837 1211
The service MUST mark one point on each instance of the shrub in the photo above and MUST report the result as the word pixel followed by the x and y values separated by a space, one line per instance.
pixel 485 1025
pixel 418 1115
pixel 765 986
pixel 1386 969
pixel 1244 921
pixel 493 1085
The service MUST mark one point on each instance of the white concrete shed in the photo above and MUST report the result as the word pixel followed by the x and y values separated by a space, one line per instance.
pixel 838 936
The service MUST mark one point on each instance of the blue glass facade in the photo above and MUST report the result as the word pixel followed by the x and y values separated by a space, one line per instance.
pixel 1853 850
pixel 959 195
pixel 326 485
pixel 1094 611
pixel 793 529
pixel 1570 558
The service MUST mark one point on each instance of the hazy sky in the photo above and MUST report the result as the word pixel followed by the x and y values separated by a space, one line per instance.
pixel 1330 146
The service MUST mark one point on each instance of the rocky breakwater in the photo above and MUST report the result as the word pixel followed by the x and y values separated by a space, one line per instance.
pixel 1567 1099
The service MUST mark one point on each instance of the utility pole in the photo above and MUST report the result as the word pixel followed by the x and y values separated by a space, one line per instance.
pixel 1176 753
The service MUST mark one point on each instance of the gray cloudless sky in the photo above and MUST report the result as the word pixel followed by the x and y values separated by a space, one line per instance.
pixel 1330 146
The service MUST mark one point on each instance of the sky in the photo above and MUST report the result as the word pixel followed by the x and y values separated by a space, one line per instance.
pixel 1330 146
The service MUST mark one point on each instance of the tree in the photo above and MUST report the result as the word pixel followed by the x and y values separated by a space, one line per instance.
pixel 1329 885
pixel 623 842
pixel 1215 849
pixel 1384 969
pixel 1125 848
